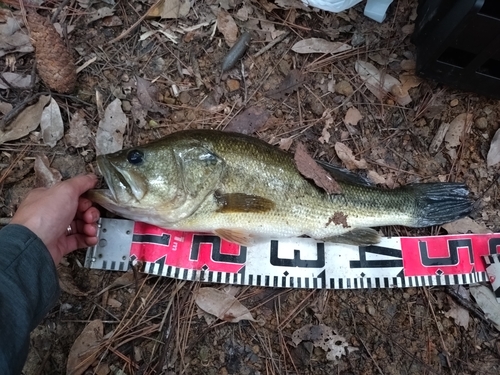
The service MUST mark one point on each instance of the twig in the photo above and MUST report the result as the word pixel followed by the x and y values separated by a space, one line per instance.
pixel 271 44
pixel 445 349
pixel 131 28
pixel 59 8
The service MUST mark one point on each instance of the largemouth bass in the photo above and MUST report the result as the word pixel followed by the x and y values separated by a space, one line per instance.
pixel 246 191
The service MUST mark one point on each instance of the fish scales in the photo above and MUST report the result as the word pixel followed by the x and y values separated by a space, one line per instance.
pixel 247 190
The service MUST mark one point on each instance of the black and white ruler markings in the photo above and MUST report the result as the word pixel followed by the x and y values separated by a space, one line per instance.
pixel 294 263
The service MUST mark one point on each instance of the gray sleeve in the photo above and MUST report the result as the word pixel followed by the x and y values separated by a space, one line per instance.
pixel 29 288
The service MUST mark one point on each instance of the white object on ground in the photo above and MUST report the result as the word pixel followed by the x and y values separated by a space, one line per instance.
pixel 375 9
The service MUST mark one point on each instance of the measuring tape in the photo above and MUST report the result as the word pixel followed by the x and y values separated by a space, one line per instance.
pixel 298 262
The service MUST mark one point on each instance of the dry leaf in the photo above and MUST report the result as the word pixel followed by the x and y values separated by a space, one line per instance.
pixel 79 133
pixel 377 82
pixel 54 61
pixel 293 81
pixel 16 80
pixel 109 136
pixel 67 283
pixel 486 300
pixel 494 151
pixel 227 26
pixel 318 45
pixel 352 116
pixel 324 337
pixel 100 13
pixel 439 137
pixel 308 167
pixel 285 143
pixel 147 94
pixel 249 121
pixel 51 124
pixel 459 314
pixel 85 348
pixel 222 305
pixel 345 154
pixel 27 121
pixel 13 39
pixel 169 9
pixel 464 226
pixel 375 178
pixel 458 127
pixel 45 176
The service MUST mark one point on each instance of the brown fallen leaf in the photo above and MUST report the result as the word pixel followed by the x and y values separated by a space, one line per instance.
pixel 79 133
pixel 27 121
pixel 248 121
pixel 293 81
pixel 318 45
pixel 345 154
pixel 352 116
pixel 493 157
pixel 222 305
pixel 54 61
pixel 67 283
pixel 227 26
pixel 308 167
pixel 169 9
pixel 85 348
pixel 45 176
pixel 458 128
pixel 147 94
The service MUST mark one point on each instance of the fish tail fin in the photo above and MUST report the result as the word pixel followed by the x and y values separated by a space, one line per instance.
pixel 439 203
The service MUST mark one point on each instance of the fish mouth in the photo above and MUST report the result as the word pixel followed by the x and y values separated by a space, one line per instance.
pixel 123 184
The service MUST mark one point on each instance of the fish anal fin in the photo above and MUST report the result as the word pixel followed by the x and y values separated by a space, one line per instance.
pixel 238 236
pixel 357 236
pixel 240 202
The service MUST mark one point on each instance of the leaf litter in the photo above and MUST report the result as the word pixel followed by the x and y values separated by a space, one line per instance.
pixel 109 136
pixel 51 124
pixel 308 167
pixel 221 305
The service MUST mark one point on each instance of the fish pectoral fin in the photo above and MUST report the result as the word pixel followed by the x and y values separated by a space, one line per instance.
pixel 238 236
pixel 358 237
pixel 240 202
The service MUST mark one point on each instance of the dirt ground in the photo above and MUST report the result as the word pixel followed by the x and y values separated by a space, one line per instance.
pixel 151 324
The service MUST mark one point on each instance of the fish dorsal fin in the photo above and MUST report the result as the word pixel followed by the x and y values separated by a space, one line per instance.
pixel 238 236
pixel 240 202
pixel 344 175
pixel 357 236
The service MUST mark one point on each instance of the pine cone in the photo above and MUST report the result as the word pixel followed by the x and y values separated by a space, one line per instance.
pixel 54 62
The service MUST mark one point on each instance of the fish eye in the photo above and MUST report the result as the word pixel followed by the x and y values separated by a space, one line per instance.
pixel 135 157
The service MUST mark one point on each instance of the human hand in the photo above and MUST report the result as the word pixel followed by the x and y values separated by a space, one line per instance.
pixel 48 212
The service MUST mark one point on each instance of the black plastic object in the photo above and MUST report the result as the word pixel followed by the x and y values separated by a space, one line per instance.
pixel 458 43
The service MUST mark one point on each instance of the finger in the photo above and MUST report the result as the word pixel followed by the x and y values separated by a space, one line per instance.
pixel 88 229
pixel 92 215
pixel 84 204
pixel 80 184
pixel 79 241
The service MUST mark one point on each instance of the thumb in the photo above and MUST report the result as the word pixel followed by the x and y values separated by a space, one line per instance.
pixel 80 184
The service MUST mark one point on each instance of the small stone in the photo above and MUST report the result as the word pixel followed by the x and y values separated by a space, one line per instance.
pixel 316 107
pixel 371 310
pixel 487 111
pixel 481 123
pixel 344 88
pixel 178 116
pixel 408 64
pixel 184 97
pixel 233 84
pixel 126 106
pixel 454 103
